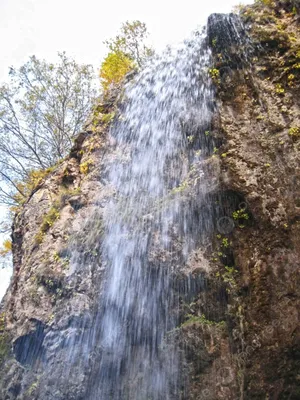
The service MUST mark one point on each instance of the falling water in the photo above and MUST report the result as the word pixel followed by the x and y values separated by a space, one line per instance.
pixel 115 331
pixel 165 109
pixel 118 342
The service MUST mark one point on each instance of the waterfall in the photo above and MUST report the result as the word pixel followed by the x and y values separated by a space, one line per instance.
pixel 159 135
pixel 115 335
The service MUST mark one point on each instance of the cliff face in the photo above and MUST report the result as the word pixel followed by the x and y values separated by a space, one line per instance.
pixel 239 330
pixel 48 298
pixel 257 123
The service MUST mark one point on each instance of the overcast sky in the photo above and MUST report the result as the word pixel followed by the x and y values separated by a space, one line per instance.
pixel 44 27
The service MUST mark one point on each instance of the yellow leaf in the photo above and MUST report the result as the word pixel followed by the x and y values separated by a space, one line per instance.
pixel 6 248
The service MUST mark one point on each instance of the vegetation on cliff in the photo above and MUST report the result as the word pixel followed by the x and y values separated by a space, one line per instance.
pixel 41 111
pixel 127 51
pixel 239 324
pixel 44 107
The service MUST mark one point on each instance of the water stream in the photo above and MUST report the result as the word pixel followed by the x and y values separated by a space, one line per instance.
pixel 159 134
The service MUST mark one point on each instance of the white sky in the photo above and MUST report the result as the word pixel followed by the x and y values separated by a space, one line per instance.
pixel 44 27
pixel 5 275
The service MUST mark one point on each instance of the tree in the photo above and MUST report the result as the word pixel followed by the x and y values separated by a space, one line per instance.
pixel 41 111
pixel 114 68
pixel 127 51
pixel 131 42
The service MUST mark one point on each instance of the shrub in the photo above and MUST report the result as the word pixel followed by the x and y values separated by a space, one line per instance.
pixel 25 187
pixel 114 68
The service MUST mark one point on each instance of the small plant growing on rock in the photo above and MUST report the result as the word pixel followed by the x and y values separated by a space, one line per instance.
pixel 56 256
pixel 195 320
pixel 66 194
pixel 240 215
pixel 225 242
pixel 279 89
pixel 215 75
pixel 48 220
pixel 228 277
pixel 107 118
pixel 4 342
pixel 85 166
pixel 294 132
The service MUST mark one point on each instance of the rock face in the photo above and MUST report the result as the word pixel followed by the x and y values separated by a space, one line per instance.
pixel 47 299
pixel 239 329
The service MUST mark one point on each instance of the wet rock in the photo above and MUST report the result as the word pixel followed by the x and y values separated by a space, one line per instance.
pixel 238 290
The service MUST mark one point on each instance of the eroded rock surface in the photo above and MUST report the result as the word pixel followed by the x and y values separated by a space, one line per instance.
pixel 239 330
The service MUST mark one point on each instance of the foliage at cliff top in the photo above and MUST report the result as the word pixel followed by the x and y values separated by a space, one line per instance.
pixel 127 51
pixel 45 105
pixel 42 110
pixel 114 68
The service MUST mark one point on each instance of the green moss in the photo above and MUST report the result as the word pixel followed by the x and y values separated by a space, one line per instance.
pixel 48 220
pixel 193 319
pixel 32 389
pixel 229 277
pixel 56 256
pixel 184 185
pixel 66 193
pixel 107 118
pixel 4 339
pixel 225 242
pixel 63 261
pixel 240 215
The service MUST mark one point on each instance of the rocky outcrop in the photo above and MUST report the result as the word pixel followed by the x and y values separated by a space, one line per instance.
pixel 47 298
pixel 255 250
pixel 239 330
